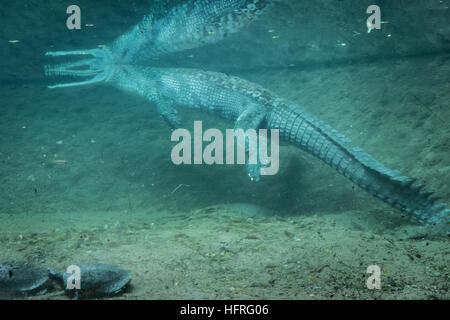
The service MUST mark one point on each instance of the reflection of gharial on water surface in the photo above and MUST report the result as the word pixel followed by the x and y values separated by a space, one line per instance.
pixel 250 106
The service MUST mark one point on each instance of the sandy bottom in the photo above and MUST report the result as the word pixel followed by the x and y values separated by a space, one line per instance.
pixel 222 252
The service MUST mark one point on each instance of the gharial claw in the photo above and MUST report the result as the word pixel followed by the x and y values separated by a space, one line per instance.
pixel 254 171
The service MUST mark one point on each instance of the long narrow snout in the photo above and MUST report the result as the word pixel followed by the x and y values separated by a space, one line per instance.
pixel 95 69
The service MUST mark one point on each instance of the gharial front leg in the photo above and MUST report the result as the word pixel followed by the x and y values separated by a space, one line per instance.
pixel 168 112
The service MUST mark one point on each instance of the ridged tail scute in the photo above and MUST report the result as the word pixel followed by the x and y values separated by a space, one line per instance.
pixel 322 141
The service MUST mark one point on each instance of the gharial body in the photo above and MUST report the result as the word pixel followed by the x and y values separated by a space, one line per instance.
pixel 247 104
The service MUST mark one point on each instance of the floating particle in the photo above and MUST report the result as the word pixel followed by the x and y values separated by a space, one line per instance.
pixel 59 161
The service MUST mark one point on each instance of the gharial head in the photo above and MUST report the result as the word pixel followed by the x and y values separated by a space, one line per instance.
pixel 99 68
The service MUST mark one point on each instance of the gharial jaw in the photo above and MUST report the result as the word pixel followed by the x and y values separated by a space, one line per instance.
pixel 100 67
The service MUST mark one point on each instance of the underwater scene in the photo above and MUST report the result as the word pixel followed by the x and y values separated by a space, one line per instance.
pixel 225 149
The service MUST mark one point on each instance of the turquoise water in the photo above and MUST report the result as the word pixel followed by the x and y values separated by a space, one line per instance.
pixel 86 174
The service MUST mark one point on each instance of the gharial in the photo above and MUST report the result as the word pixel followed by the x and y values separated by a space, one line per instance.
pixel 195 23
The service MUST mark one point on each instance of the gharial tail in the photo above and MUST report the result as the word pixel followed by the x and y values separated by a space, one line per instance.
pixel 389 185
